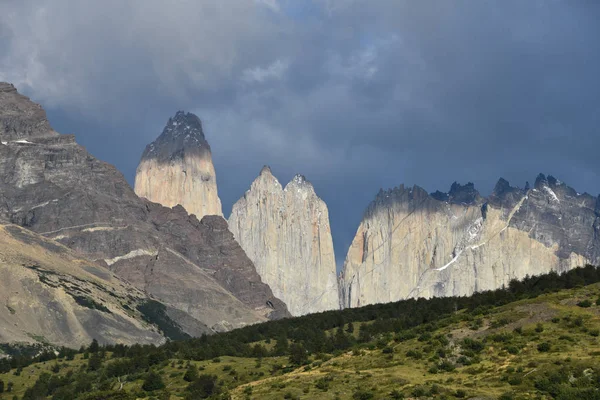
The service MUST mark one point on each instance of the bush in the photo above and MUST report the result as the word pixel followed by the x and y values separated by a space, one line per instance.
pixel 362 394
pixel 203 387
pixel 153 382
pixel 191 374
pixel 585 303
pixel 419 391
pixel 473 345
pixel 515 380
pixel 506 396
pixel 446 366
pixel 414 354
pixel 544 347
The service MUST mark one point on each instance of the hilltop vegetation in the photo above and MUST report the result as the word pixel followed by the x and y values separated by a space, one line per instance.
pixel 538 338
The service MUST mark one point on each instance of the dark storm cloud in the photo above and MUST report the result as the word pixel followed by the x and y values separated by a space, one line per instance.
pixel 354 94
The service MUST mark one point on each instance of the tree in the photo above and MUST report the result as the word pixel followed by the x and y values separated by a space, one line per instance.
pixel 350 328
pixel 1 386
pixel 191 374
pixel 282 345
pixel 202 388
pixel 153 382
pixel 94 362
pixel 298 355
pixel 94 346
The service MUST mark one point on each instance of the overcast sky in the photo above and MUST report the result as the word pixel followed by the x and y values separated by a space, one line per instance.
pixel 355 94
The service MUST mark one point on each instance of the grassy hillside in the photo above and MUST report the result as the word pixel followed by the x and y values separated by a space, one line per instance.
pixel 536 339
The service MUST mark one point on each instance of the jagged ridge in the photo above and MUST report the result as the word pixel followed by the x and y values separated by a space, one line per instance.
pixel 412 244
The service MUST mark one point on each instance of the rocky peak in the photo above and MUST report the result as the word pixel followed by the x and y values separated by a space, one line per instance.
pixel 266 170
pixel 463 194
pixel 182 133
pixel 177 168
pixel 459 194
pixel 540 181
pixel 505 195
pixel 266 181
pixel 301 183
pixel 286 234
pixel 7 87
pixel 21 118
pixel 502 186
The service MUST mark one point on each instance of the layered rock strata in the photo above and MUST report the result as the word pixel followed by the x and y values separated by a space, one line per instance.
pixel 177 168
pixel 286 233
pixel 412 244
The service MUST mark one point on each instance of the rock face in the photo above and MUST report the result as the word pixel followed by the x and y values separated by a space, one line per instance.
pixel 50 294
pixel 412 244
pixel 286 233
pixel 177 168
pixel 51 185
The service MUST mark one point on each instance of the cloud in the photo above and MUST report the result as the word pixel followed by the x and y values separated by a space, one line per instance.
pixel 355 94
pixel 260 75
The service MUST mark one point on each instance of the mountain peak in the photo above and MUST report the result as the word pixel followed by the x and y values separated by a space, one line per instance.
pixel 300 182
pixel 7 87
pixel 184 123
pixel 21 118
pixel 182 133
pixel 266 170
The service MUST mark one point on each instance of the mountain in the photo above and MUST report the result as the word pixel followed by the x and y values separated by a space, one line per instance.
pixel 177 168
pixel 286 233
pixel 50 294
pixel 51 185
pixel 414 244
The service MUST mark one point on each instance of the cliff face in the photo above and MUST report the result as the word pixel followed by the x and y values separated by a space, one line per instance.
pixel 177 168
pixel 412 244
pixel 286 233
pixel 51 185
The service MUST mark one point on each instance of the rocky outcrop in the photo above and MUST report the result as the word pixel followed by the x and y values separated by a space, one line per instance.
pixel 52 295
pixel 20 118
pixel 51 185
pixel 286 233
pixel 177 168
pixel 412 244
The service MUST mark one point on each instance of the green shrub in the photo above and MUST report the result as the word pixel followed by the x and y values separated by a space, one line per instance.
pixel 152 382
pixel 417 355
pixel 419 391
pixel 585 303
pixel 361 394
pixel 544 347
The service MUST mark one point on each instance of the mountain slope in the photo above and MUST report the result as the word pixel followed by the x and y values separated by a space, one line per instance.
pixel 286 233
pixel 52 295
pixel 53 186
pixel 413 244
